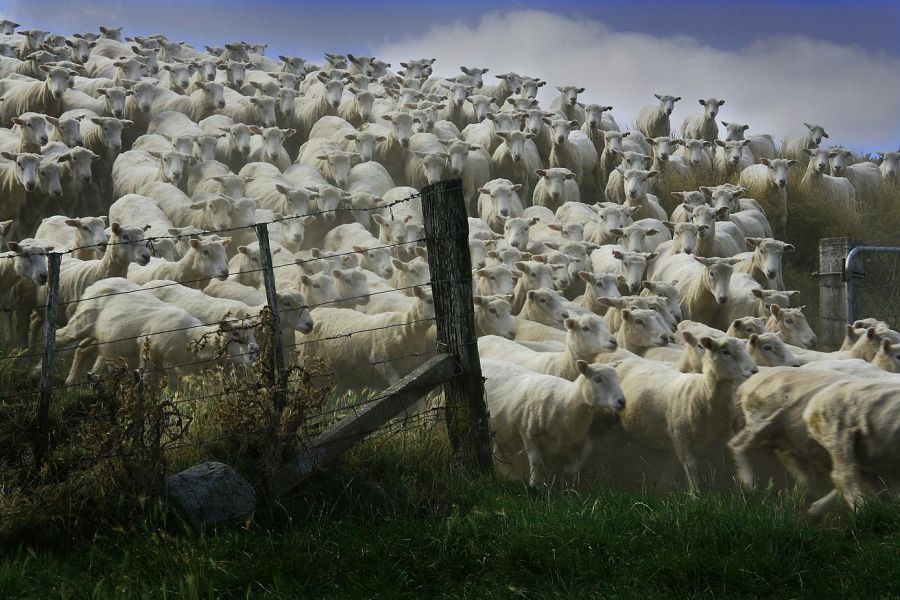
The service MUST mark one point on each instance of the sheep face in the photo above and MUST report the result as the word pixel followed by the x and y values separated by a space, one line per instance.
pixel 89 231
pixel 769 350
pixel 780 297
pixel 80 161
pixel 377 260
pixel 734 150
pixel 293 64
pixel 173 164
pixel 8 27
pixel 351 284
pixel 433 164
pixel 839 159
pixel 57 81
pixel 241 211
pixel 235 73
pixel 49 172
pixel 633 236
pixel 559 269
pixel 890 165
pixel 546 307
pixel 505 121
pixel 238 340
pixel 777 168
pixel 128 243
pixel 633 160
pixel 233 186
pixel 727 359
pixel 205 145
pixel 509 256
pixel 637 183
pixel 293 231
pixel 179 75
pixel 477 253
pixel 603 390
pixel 633 266
pixel 115 100
pixel 768 254
pixel 587 334
pixel 704 217
pixel 724 199
pixel 695 150
pixel 612 142
pixel 535 274
pixel 365 100
pixel 401 127
pixel 340 164
pixel 328 199
pixel 240 136
pixel 424 306
pixel 560 129
pixel 499 279
pixel 34 128
pixel 393 231
pixel 27 168
pixel 480 105
pixel 501 197
pixel 459 156
pixel 569 94
pixel 69 132
pixel 667 103
pixel 667 291
pixel 605 285
pixel 717 277
pixel 475 75
pixel 593 114
pixel 492 317
pixel 265 105
pixel 644 328
pixel 415 272
pixel 614 216
pixel 273 142
pixel 791 323
pixel 143 95
pixel 206 68
pixel 888 356
pixel 129 68
pixel 711 108
pixel 31 260
pixel 744 327
pixel 111 131
pixel 457 94
pixel 515 143
pixel 295 311
pixel 34 38
pixel 815 135
pixel 318 288
pixel 734 131
pixel 365 144
pixel 213 261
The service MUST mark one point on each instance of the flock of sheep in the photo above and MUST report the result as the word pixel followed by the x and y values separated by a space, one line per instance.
pixel 627 283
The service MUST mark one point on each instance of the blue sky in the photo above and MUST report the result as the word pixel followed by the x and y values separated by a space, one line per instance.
pixel 828 61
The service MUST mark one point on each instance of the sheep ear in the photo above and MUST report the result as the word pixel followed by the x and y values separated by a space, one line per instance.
pixel 885 345
pixel 195 244
pixel 583 367
pixel 757 292
pixel 73 223
pixel 570 324
pixel 774 309
pixel 753 339
pixel 753 241
pixel 707 342
pixel 688 338
pixel 789 248
pixel 626 314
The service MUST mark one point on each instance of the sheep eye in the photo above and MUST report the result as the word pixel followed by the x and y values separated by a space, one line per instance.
pixel 585 328
pixel 492 311
pixel 789 321
pixel 767 348
pixel 726 352
pixel 638 322
pixel 598 379
pixel 316 285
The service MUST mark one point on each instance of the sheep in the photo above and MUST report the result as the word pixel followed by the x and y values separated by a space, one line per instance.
pixel 361 359
pixel 653 121
pixel 615 184
pixel 567 103
pixel 328 157
pixel 183 144
pixel 636 184
pixel 547 418
pixel 742 213
pixel 720 238
pixel 645 235
pixel 375 257
pixel 200 104
pixel 234 148
pixel 485 133
pixel 269 147
pixel 44 97
pixel 686 412
pixel 492 316
pixel 703 127
pixel 103 136
pixel 769 350
pixel 209 212
pixel 251 110
pixel 543 306
pixel 517 159
pixel 630 266
pixel 30 132
pixel 19 175
pixel 107 322
pixel 596 122
pixel 494 280
pixel 23 271
pixel 425 161
pixel 764 263
pixel 792 325
pixel 890 165
pixel 86 236
pixel 204 260
pixel 134 169
pixel 703 284
pixel 856 423
pixel 343 133
pixel 308 110
pixel 498 201
pixel 470 163
pixel 767 183
pixel 696 153
pixel 793 144
pixel 611 155
pixel 731 158
pixel 641 330
pixel 574 151
pixel 864 176
pixel 772 404
pixel 68 131
pixel 759 146
pixel 837 192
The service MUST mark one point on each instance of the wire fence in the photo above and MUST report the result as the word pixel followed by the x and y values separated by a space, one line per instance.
pixel 324 363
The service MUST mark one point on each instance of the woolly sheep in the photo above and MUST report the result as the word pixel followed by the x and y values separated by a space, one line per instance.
pixel 653 121
pixel 703 127
pixel 794 144
pixel 767 183
pixel 837 192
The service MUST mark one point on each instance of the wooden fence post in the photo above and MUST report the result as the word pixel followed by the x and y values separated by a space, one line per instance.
pixel 832 290
pixel 447 235
pixel 43 434
pixel 278 360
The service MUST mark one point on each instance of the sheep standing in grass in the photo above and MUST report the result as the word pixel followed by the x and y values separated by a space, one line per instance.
pixel 865 176
pixel 758 146
pixel 546 418
pixel 835 192
pixel 687 412
pixel 653 121
pixel 23 272
pixel 703 127
pixel 766 182
pixel 794 144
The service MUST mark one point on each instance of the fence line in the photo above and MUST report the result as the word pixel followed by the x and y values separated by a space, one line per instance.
pixel 450 359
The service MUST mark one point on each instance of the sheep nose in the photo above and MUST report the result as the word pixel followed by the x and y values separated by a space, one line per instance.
pixel 44 139
pixel 176 174
pixel 620 404
pixel 220 104
pixel 42 278
pixel 663 157
pixel 723 299
pixel 771 274
pixel 30 187
pixel 565 315
pixel 504 213
pixel 688 250
pixel 782 183
pixel 668 111
pixel 613 344
pixel 634 288
pixel 754 370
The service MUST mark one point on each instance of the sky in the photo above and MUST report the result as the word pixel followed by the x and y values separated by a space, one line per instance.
pixel 777 64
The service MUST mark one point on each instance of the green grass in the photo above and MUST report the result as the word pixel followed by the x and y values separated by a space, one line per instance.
pixel 399 520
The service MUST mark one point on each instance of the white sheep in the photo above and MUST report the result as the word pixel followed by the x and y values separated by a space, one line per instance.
pixel 250 110
pixel 204 260
pixel 865 176
pixel 759 146
pixel 653 121
pixel 498 201
pixel 544 417
pixel 685 412
pixel 703 127
pixel 23 272
pixel 794 144
pixel 837 192
pixel 44 97
pixel 517 159
pixel 268 147
pixel 85 235
pixel 766 182
pixel 136 168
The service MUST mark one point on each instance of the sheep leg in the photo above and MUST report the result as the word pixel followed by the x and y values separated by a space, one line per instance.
pixel 535 463
pixel 575 465
pixel 739 445
pixel 688 460
pixel 845 473
pixel 83 352
pixel 797 467
pixel 823 505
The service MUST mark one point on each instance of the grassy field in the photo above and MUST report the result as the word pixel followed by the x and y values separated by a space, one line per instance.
pixel 398 520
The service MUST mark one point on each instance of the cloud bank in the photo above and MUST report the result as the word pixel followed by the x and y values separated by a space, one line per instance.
pixel 773 84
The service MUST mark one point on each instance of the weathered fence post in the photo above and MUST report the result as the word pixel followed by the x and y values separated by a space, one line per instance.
pixel 43 434
pixel 832 291
pixel 447 235
pixel 278 360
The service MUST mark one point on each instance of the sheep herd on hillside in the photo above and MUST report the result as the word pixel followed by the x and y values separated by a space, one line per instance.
pixel 628 284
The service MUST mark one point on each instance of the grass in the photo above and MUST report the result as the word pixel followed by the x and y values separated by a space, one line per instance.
pixel 399 520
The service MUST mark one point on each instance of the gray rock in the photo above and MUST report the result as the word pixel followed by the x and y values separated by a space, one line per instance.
pixel 211 493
